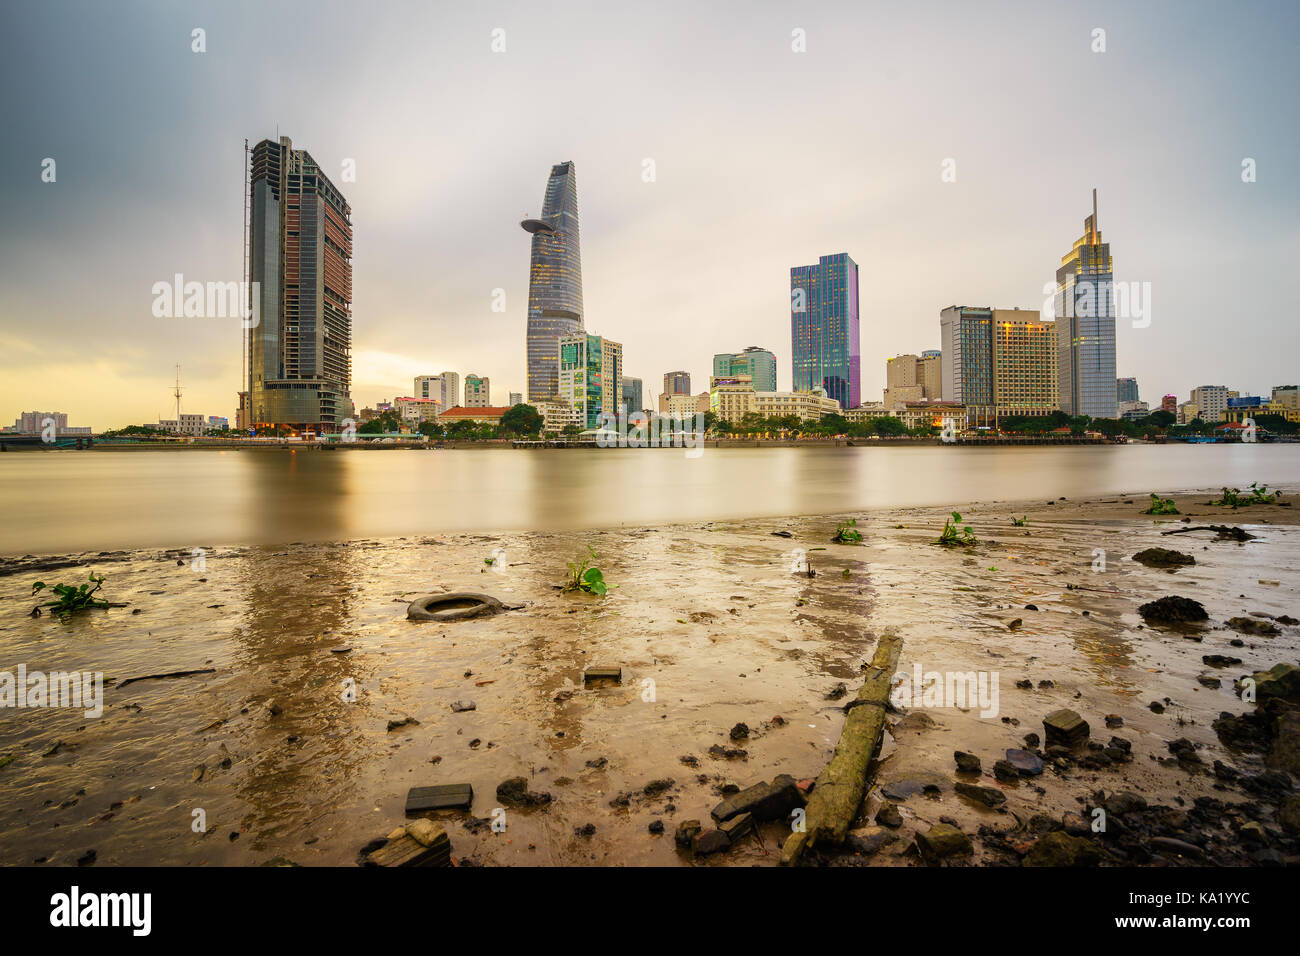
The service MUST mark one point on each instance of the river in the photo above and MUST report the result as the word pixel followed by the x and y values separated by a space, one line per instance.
pixel 60 501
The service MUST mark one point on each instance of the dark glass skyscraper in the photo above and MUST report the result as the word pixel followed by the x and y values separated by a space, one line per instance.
pixel 1085 325
pixel 300 259
pixel 824 329
pixel 554 281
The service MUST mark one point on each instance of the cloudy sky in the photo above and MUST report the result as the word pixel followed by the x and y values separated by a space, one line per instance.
pixel 763 158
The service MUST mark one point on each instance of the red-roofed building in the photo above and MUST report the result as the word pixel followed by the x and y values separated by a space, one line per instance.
pixel 486 415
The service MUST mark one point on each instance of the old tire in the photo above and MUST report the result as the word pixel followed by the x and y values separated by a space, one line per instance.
pixel 454 606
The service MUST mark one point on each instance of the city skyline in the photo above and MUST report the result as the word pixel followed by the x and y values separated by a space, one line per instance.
pixel 679 267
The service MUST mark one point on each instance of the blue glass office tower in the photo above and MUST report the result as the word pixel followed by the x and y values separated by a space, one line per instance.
pixel 824 329
pixel 554 281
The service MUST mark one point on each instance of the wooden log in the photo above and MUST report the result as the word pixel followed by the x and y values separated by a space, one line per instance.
pixel 838 793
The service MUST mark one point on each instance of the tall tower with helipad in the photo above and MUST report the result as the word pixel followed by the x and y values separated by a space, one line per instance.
pixel 554 281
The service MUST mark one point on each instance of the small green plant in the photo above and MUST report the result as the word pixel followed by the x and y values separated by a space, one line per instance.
pixel 1256 494
pixel 1019 522
pixel 586 576
pixel 954 536
pixel 1161 506
pixel 71 597
pixel 847 533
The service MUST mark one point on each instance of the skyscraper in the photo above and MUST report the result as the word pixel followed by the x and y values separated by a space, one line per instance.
pixel 1126 390
pixel 998 362
pixel 590 376
pixel 824 329
pixel 554 281
pixel 758 364
pixel 300 259
pixel 677 383
pixel 966 333
pixel 633 394
pixel 1085 320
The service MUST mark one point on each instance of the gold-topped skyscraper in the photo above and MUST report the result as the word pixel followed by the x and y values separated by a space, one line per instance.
pixel 1085 324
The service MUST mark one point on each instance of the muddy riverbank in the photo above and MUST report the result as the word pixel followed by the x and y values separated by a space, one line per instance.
pixel 712 627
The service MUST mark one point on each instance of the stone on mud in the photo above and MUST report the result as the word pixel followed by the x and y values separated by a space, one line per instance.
pixel 1173 610
pixel 1059 848
pixel 1163 558
pixel 988 796
pixel 942 841
pixel 966 763
pixel 686 831
pixel 764 801
pixel 869 840
pixel 1028 764
pixel 1065 728
pixel 709 841
pixel 515 792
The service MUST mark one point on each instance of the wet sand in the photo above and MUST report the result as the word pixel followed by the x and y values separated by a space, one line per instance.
pixel 710 627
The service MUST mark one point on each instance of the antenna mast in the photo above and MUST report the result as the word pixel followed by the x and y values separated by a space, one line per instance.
pixel 177 393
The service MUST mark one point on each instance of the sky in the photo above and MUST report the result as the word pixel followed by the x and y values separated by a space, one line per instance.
pixel 764 157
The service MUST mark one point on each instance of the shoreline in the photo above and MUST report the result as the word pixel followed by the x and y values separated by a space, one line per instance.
pixel 710 614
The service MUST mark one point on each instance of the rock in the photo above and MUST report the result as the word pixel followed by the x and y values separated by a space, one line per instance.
pixel 587 830
pixel 1065 728
pixel 1075 824
pixel 1015 625
pixel 889 816
pixel 656 826
pixel 1029 765
pixel 727 753
pixel 1060 848
pixel 614 674
pixel 869 840
pixel 921 781
pixel 1114 720
pixel 1219 660
pixel 515 792
pixel 456 796
pixel 966 763
pixel 425 832
pixel 1173 610
pixel 838 691
pixel 1285 753
pixel 1163 558
pixel 1288 814
pixel 1031 607
pixel 1248 625
pixel 1252 832
pixel 656 787
pixel 460 706
pixel 403 722
pixel 1127 802
pixel 1119 743
pixel 988 796
pixel 1184 750
pixel 1006 771
pixel 764 801
pixel 942 841
pixel 1032 740
pixel 740 731
pixel 1280 682
pixel 1210 681
pixel 709 841
pixel 686 831
pixel 737 826
pixel 1156 707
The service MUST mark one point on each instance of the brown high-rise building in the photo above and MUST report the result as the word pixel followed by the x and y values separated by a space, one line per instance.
pixel 300 259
